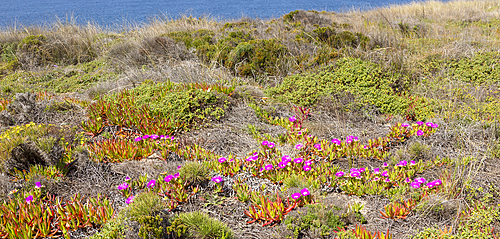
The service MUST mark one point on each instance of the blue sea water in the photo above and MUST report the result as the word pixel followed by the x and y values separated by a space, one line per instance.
pixel 109 13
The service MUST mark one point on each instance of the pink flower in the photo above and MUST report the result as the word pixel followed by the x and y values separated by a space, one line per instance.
pixel 286 158
pixel 385 165
pixel 138 139
pixel 292 119
pixel 317 146
pixel 282 165
pixel 271 145
pixel 355 174
pixel 123 186
pixel 151 183
pixel 361 170
pixel 376 170
pixel 299 146
pixel 365 146
pixel 336 141
pixel 420 132
pixel 222 160
pixel 29 199
pixel 307 167
pixel 407 180
pixel 305 192
pixel 179 167
pixel 412 163
pixel 296 196
pixel 176 175
pixel 129 200
pixel 404 125
pixel 420 180
pixel 127 178
pixel 419 123
pixel 308 162
pixel 154 136
pixel 268 167
pixel 145 136
pixel 339 174
pixel 168 178
pixel 298 160
pixel 217 179
pixel 354 170
pixel 385 174
pixel 429 124
pixel 38 185
pixel 415 185
pixel 375 179
pixel 403 163
pixel 387 180
pixel 265 142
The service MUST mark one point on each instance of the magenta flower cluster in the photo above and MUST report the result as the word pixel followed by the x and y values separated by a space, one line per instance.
pixel 304 192
pixel 419 181
pixel 268 144
pixel 217 179
pixel 123 186
pixel 153 136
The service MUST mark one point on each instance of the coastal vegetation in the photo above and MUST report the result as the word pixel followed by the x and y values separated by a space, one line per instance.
pixel 362 124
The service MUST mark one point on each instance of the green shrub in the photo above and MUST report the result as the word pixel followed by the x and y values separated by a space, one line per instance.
pixel 481 68
pixel 355 76
pixel 194 172
pixel 113 229
pixel 199 225
pixel 317 220
pixel 144 209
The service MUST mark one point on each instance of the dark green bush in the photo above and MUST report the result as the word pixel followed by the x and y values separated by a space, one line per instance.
pixel 363 78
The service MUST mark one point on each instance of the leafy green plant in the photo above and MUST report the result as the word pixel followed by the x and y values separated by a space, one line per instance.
pixel 198 225
pixel 317 220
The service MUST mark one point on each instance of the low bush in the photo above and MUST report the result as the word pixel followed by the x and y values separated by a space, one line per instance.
pixel 199 225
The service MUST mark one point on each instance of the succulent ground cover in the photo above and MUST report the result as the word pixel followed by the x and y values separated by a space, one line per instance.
pixel 377 124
